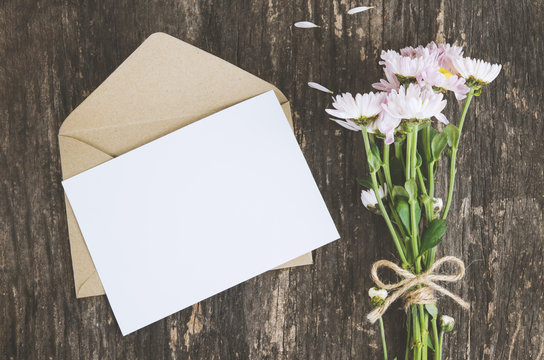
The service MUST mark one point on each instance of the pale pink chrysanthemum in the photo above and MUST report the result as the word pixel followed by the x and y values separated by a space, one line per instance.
pixel 447 54
pixel 386 125
pixel 443 53
pixel 391 82
pixel 410 67
pixel 476 71
pixel 415 103
pixel 443 80
pixel 414 52
pixel 356 111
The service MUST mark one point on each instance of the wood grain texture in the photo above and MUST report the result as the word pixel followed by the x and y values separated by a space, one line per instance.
pixel 54 53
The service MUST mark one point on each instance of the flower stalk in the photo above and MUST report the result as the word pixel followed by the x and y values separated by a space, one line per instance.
pixel 454 148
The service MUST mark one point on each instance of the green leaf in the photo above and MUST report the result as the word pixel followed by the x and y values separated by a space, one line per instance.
pixel 411 189
pixel 432 235
pixel 430 342
pixel 433 133
pixel 452 132
pixel 403 209
pixel 365 182
pixel 432 310
pixel 399 192
pixel 374 161
pixel 418 161
pixel 376 152
pixel 438 145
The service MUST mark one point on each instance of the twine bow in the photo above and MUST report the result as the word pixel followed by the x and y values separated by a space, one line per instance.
pixel 421 295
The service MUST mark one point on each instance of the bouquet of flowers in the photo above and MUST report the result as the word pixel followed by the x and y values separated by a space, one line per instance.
pixel 403 150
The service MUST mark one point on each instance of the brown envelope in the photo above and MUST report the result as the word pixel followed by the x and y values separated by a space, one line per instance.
pixel 164 85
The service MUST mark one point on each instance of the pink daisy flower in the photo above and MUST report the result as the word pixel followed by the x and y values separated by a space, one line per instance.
pixel 443 80
pixel 391 82
pixel 410 67
pixel 415 103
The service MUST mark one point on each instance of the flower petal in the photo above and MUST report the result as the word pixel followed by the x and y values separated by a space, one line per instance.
pixel 347 125
pixel 442 118
pixel 305 25
pixel 319 87
pixel 359 9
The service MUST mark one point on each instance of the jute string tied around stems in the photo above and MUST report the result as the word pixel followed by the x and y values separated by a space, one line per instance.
pixel 421 295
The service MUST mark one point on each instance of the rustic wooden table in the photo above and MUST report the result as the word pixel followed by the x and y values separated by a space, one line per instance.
pixel 54 53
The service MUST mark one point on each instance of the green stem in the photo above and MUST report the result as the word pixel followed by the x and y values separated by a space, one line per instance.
pixel 414 153
pixel 412 136
pixel 398 221
pixel 421 181
pixel 398 153
pixel 430 258
pixel 408 155
pixel 424 331
pixel 440 344
pixel 430 162
pixel 382 332
pixel 416 334
pixel 408 330
pixel 380 203
pixel 454 148
pixel 436 341
pixel 372 139
pixel 386 168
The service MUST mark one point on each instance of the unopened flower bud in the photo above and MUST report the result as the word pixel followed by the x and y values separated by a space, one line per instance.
pixel 377 296
pixel 437 206
pixel 368 197
pixel 447 323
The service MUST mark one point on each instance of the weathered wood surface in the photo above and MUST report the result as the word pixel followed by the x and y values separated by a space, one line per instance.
pixel 54 53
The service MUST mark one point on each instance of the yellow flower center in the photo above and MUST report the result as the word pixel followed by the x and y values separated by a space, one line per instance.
pixel 446 73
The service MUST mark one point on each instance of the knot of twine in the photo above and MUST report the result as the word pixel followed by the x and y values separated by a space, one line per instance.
pixel 421 295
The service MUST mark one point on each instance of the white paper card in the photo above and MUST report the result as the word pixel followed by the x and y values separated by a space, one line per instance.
pixel 198 211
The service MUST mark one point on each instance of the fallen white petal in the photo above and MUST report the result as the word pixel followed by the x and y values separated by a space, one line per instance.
pixel 359 9
pixel 319 87
pixel 305 25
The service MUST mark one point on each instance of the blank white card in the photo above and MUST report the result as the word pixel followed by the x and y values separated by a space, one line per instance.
pixel 198 211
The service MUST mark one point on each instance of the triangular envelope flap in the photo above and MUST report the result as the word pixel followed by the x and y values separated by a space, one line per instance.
pixel 164 81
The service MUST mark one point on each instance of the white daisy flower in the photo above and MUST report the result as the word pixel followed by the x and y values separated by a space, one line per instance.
pixel 415 104
pixel 358 111
pixel 476 72
pixel 368 197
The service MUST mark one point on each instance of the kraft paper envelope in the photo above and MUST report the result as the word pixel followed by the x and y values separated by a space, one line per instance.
pixel 164 85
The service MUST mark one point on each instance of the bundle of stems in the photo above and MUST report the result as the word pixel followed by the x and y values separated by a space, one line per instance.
pixel 414 220
pixel 403 151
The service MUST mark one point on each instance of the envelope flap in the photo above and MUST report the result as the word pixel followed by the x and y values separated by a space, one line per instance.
pixel 165 80
pixel 78 156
